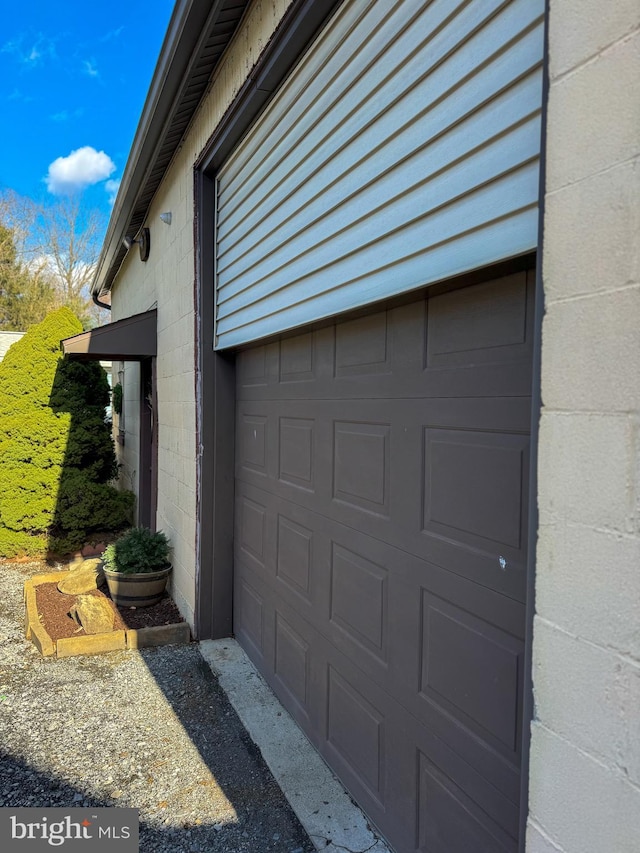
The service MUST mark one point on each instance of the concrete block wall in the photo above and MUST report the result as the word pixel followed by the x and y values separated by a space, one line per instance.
pixel 166 281
pixel 585 750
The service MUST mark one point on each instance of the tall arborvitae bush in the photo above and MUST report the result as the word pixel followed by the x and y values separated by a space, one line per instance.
pixel 56 452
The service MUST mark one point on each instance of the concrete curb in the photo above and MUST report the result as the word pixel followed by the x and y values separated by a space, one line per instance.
pixel 328 814
pixel 94 644
pixel 34 630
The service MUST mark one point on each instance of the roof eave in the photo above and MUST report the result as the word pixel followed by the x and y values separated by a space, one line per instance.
pixel 192 22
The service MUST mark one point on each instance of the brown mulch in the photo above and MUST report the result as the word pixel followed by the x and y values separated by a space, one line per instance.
pixel 54 606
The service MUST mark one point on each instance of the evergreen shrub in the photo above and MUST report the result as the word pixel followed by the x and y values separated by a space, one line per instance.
pixel 56 452
pixel 139 550
pixel 116 398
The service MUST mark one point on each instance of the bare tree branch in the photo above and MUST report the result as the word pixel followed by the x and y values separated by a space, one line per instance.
pixel 56 248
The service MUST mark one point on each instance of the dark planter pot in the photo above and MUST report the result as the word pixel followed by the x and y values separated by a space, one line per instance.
pixel 137 590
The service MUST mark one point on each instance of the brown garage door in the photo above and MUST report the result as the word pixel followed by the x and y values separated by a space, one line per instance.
pixel 380 548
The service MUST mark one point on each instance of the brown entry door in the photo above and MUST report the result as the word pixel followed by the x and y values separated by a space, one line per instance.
pixel 380 553
pixel 148 446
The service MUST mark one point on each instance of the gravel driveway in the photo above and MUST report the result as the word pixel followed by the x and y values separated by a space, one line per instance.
pixel 148 729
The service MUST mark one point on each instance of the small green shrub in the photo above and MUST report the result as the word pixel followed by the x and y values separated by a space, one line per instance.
pixel 83 508
pixel 116 398
pixel 139 550
pixel 56 452
pixel 15 543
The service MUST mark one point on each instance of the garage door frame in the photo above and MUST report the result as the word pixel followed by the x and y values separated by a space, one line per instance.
pixel 215 374
pixel 215 415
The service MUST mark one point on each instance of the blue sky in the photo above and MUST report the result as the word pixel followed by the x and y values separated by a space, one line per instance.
pixel 74 78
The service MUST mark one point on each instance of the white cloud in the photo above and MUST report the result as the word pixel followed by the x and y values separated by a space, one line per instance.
pixel 112 187
pixel 31 52
pixel 91 68
pixel 65 115
pixel 112 34
pixel 10 46
pixel 80 169
pixel 17 95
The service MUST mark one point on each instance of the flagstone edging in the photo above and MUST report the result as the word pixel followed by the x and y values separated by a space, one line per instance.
pixel 130 638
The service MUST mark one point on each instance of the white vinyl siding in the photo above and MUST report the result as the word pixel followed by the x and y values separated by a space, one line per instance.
pixel 402 150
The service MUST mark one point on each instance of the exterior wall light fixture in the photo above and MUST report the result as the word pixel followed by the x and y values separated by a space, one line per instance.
pixel 166 217
pixel 144 242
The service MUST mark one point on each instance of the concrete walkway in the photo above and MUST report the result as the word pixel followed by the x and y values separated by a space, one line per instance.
pixel 323 807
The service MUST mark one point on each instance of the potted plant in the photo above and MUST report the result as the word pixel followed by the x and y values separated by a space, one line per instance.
pixel 137 567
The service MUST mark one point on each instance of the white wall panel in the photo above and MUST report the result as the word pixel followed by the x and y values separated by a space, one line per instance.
pixel 402 150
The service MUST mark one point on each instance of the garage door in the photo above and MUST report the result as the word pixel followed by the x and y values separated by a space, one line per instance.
pixel 380 553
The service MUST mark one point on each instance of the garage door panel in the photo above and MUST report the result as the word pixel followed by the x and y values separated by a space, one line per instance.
pixel 284 430
pixel 497 811
pixel 298 359
pixel 349 582
pixel 489 322
pixel 252 530
pixel 484 414
pixel 293 360
pixel 361 465
pixel 415 351
pixel 249 607
pixel 481 567
pixel 359 600
pixel 379 784
pixel 370 602
pixel 252 368
pixel 448 819
pixel 384 481
pixel 355 467
pixel 362 347
pixel 472 670
pixel 489 639
pixel 356 732
pixel 383 767
pixel 394 481
pixel 475 488
pixel 292 661
pixel 380 553
pixel 354 698
pixel 297 454
pixel 367 347
pixel 476 750
pixel 280 643
pixel 295 551
pixel 493 607
pixel 496 381
pixel 252 442
pixel 493 381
